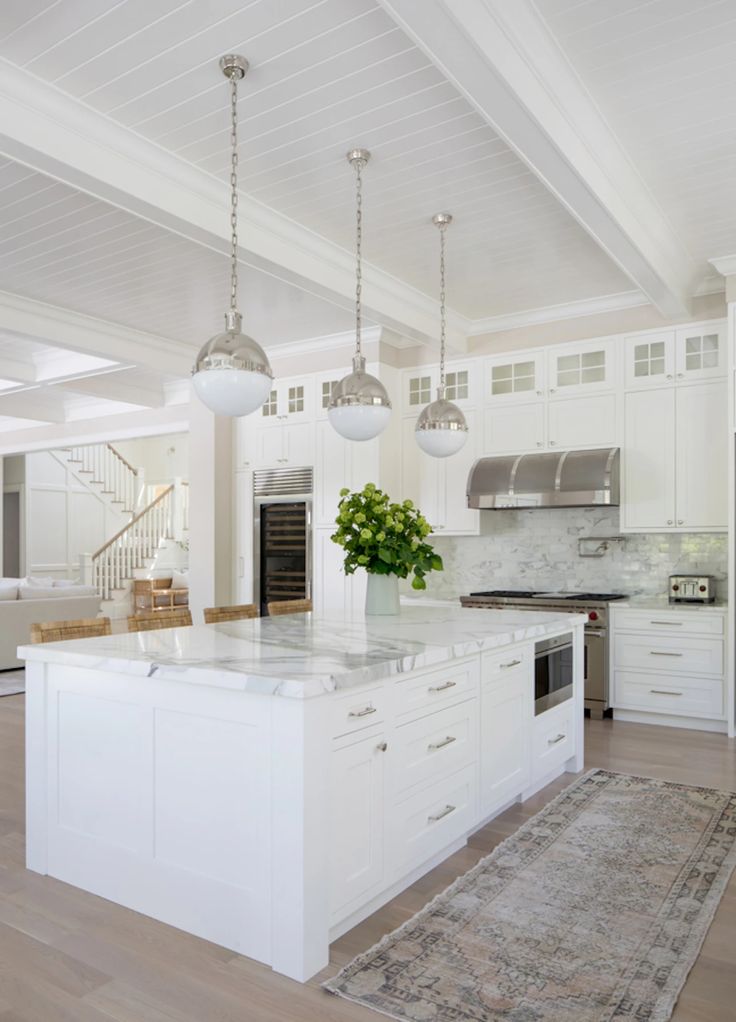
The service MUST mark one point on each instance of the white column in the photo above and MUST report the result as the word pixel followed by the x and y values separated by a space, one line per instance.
pixel 210 509
pixel 730 625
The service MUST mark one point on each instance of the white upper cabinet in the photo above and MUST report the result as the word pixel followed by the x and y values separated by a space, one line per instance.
pixel 513 379
pixel 455 515
pixel 648 479
pixel 289 400
pixel 323 385
pixel 702 456
pixel 514 428
pixel 590 421
pixel 685 355
pixel 581 368
pixel 419 386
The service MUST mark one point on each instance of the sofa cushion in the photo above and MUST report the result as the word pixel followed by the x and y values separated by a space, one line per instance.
pixel 26 592
pixel 65 583
pixel 37 582
pixel 179 579
pixel 8 588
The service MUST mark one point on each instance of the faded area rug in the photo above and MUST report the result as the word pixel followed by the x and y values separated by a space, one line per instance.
pixel 594 910
pixel 12 682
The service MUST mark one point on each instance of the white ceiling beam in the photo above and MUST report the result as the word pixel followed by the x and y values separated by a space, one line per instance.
pixel 17 369
pixel 53 133
pixel 36 403
pixel 501 56
pixel 73 331
pixel 114 386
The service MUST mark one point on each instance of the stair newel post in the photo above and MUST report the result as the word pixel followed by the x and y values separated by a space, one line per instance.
pixel 86 574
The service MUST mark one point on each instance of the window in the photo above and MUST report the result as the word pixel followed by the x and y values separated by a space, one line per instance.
pixel 701 352
pixel 585 367
pixel 649 359
pixel 327 391
pixel 420 390
pixel 270 406
pixel 456 385
pixel 296 399
pixel 512 378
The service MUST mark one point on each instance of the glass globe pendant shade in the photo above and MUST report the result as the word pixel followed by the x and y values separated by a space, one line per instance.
pixel 441 429
pixel 232 375
pixel 359 407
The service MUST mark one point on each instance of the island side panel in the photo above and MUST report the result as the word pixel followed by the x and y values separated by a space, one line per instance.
pixel 36 768
pixel 159 800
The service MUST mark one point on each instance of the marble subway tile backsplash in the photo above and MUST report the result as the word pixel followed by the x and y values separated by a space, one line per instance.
pixel 539 550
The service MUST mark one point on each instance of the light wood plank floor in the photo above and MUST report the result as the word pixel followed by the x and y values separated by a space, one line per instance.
pixel 67 956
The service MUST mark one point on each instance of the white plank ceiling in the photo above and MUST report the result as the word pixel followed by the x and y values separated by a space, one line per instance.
pixel 663 74
pixel 325 76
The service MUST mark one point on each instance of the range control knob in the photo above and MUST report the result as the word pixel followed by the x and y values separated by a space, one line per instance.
pixel 702 589
pixel 675 587
pixel 593 616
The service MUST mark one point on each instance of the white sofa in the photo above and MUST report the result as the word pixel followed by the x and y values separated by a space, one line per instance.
pixel 17 615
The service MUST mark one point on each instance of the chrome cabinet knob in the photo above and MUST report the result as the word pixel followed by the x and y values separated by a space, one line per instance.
pixel 553 443
pixel 382 746
pixel 669 521
pixel 680 521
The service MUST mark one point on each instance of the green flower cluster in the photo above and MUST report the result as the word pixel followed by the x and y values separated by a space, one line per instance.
pixel 384 538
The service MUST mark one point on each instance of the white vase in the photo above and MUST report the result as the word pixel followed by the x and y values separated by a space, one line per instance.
pixel 382 594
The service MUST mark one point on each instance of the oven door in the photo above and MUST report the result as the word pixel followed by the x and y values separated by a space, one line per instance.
pixel 553 672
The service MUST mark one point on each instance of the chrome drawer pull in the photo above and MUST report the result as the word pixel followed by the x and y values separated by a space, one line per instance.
pixel 441 688
pixel 669 624
pixel 554 741
pixel 511 663
pixel 440 745
pixel 382 746
pixel 663 692
pixel 443 812
pixel 653 652
pixel 365 712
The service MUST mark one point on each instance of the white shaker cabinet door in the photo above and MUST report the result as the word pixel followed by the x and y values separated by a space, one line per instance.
pixel 298 449
pixel 702 456
pixel 332 471
pixel 420 476
pixel 583 422
pixel 700 352
pixel 648 497
pixel 457 517
pixel 269 447
pixel 514 429
pixel 506 715
pixel 357 820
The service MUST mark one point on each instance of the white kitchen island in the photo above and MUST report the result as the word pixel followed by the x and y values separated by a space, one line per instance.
pixel 266 784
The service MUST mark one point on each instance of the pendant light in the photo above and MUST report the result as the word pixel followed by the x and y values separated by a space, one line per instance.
pixel 232 375
pixel 359 407
pixel 441 429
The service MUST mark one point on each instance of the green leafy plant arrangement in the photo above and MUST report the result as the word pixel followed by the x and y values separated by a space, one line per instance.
pixel 384 538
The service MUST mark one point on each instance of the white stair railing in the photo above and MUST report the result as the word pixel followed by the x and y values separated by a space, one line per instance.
pixel 111 566
pixel 110 470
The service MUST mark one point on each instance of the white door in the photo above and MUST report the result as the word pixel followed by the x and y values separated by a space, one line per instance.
pixel 583 422
pixel 702 456
pixel 331 471
pixel 508 380
pixel 505 758
pixel 298 449
pixel 649 360
pixel 456 516
pixel 648 484
pixel 420 475
pixel 269 446
pixel 514 428
pixel 700 352
pixel 581 368
pixel 356 818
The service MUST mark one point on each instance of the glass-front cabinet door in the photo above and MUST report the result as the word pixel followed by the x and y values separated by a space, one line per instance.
pixel 512 379
pixel 582 368
pixel 700 352
pixel 650 360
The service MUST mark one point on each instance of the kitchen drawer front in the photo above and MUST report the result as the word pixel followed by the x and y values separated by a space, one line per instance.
pixel 435 745
pixel 357 710
pixel 664 622
pixel 679 654
pixel 505 662
pixel 686 697
pixel 429 820
pixel 431 690
pixel 554 739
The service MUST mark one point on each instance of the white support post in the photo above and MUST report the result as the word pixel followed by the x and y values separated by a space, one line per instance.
pixel 37 771
pixel 86 569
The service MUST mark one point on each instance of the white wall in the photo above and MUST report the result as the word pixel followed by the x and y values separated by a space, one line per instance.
pixel 162 458
pixel 63 518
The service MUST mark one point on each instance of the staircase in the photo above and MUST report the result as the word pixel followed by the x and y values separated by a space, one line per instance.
pixel 106 471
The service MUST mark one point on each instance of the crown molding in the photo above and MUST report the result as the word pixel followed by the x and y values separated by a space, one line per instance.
pixel 503 59
pixel 554 313
pixel 345 340
pixel 725 265
pixel 61 137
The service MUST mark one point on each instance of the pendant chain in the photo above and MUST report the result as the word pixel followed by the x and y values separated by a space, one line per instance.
pixel 234 194
pixel 358 255
pixel 443 316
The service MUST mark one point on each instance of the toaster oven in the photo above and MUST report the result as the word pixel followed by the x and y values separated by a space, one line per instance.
pixel 692 589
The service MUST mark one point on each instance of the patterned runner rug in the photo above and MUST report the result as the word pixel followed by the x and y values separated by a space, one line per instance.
pixel 594 910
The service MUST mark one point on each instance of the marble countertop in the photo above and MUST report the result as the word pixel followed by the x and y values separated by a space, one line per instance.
pixel 304 655
pixel 662 603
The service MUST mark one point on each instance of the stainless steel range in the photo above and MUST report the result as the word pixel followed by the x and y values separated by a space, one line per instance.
pixel 595 605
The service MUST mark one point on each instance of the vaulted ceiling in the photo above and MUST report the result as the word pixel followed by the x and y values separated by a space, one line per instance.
pixel 585 147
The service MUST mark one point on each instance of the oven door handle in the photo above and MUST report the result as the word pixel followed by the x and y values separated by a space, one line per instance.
pixel 595 635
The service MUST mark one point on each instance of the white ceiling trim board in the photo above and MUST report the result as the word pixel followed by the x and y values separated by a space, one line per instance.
pixel 554 313
pixel 65 139
pixel 726 265
pixel 503 59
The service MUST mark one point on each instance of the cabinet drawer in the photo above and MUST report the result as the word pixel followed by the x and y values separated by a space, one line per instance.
pixel 357 710
pixel 554 740
pixel 505 662
pixel 668 621
pixel 432 689
pixel 686 697
pixel 678 654
pixel 435 745
pixel 428 821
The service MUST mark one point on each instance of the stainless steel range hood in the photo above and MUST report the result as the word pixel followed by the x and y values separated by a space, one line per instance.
pixel 565 479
